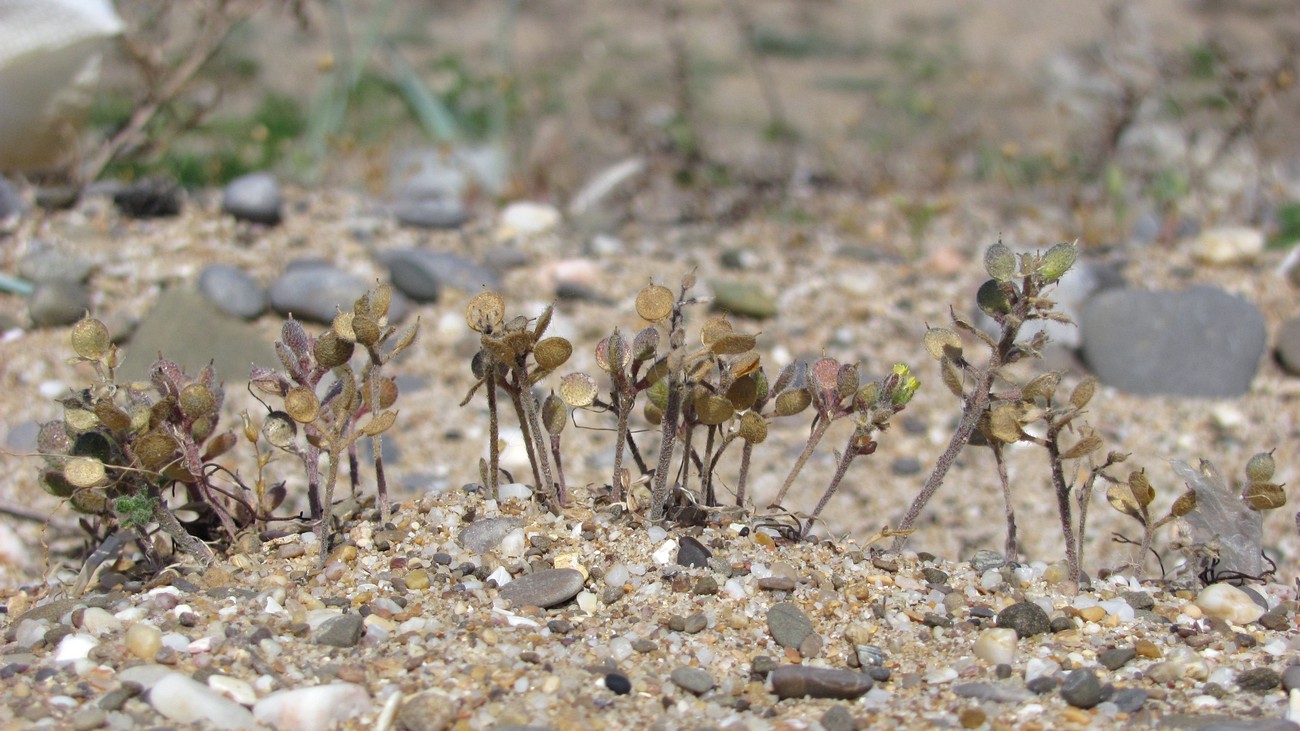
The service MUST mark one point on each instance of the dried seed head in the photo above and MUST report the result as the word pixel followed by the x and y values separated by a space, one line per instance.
pixel 847 380
pixel 753 428
pixel 792 402
pixel 1083 392
pixel 484 312
pixel 543 322
pixel 90 339
pixel 366 329
pixel 743 392
pixel 279 429
pixel 992 299
pixel 645 344
pixel 612 353
pixel 1087 444
pixel 302 405
pixel 713 329
pixel 196 401
pixel 52 438
pixel 1057 261
pixel 999 262
pixel 84 472
pixel 1141 488
pixel 712 410
pixel 554 415
pixel 744 364
pixel 733 343
pixel 940 342
pixel 1121 498
pixel 1260 467
pixel 1042 387
pixel 331 350
pixel 111 416
pixel 1264 496
pixel 578 390
pixel 654 302
pixel 551 353
pixel 80 420
pixel 381 297
pixel 342 326
pixel 89 501
pixel 867 396
pixel 387 394
pixel 825 374
pixel 1185 504
pixel 1004 423
pixel 952 378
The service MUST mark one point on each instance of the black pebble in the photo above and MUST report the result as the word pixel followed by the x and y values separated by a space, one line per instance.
pixel 618 683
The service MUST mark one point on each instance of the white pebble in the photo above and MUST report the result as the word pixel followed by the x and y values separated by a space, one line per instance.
pixel 1205 701
pixel 514 491
pixel 620 649
pixel 665 553
pixel 938 676
pixel 656 533
pixel 31 631
pixel 1036 668
pixel 617 575
pixel 307 709
pixel 185 700
pixel 74 647
pixel 500 575
pixel 1229 603
pixel 587 602
pixel 734 588
pixel 990 580
pixel 239 691
pixel 143 640
pixel 176 641
pixel 514 544
pixel 996 646
pixel 1276 647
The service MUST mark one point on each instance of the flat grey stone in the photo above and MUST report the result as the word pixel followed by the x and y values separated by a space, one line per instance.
pixel 1081 688
pixel 189 330
pixel 483 535
pixel 1190 722
pixel 422 274
pixel 1200 342
pixel 1026 618
pixel 693 680
pixel 47 264
pixel 233 291
pixel 798 681
pixel 986 558
pixel 788 624
pixel 1291 678
pixel 436 213
pixel 342 631
pixel 1287 349
pixel 254 197
pixel 838 718
pixel 996 692
pixel 545 588
pixel 315 292
pixel 53 304
pixel 742 298
pixel 692 553
pixel 1129 700
pixel 1116 657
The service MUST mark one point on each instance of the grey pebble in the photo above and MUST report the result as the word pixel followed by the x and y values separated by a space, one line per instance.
pixel 11 204
pixel 1081 688
pixel 777 583
pixel 1042 684
pixel 996 692
pixel 1116 657
pixel 341 631
pixel 427 711
pixel 1191 722
pixel 315 291
pixel 192 332
pixel 91 718
pixel 53 304
pixel 838 718
pixel 904 466
pixel 1139 600
pixel 1291 678
pixel 692 553
pixel 438 213
pixel 483 535
pixel 986 558
pixel 693 680
pixel 1026 618
pixel 47 264
pixel 1129 700
pixel 788 624
pixel 545 588
pixel 422 274
pixel 742 298
pixel 1258 680
pixel 798 681
pixel 148 198
pixel 1200 342
pixel 1287 349
pixel 233 291
pixel 254 197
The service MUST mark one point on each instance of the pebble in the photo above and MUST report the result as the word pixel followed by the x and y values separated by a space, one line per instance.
pixel 545 588
pixel 797 681
pixel 1291 678
pixel 523 219
pixel 1116 657
pixel 618 683
pixel 48 264
pixel 430 212
pixel 1138 599
pixel 986 559
pixel 484 534
pixel 254 197
pixel 150 198
pixel 1228 245
pixel 1287 349
pixel 307 709
pixel 788 624
pixel 313 291
pixel 89 719
pixel 1200 342
pixel 693 680
pixel 1129 700
pixel 57 303
pixel 996 692
pixel 742 298
pixel 184 700
pixel 11 204
pixel 904 466
pixel 1259 680
pixel 1026 618
pixel 691 553
pixel 1081 688
pixel 996 645
pixel 342 631
pixel 233 291
pixel 430 710
pixel 1228 603
pixel 422 274
pixel 838 718
pixel 190 331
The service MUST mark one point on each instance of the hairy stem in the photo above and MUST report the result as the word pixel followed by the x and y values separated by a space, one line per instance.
pixel 1011 549
pixel 846 459
pixel 672 412
pixel 819 429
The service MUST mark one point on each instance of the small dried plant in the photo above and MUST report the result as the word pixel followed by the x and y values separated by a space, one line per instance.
pixel 331 410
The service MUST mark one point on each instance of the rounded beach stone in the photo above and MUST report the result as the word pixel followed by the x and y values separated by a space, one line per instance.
pixel 788 624
pixel 233 291
pixel 341 631
pixel 254 197
pixel 1026 618
pixel 485 534
pixel 1081 688
pixel 692 553
pixel 797 681
pixel 1287 349
pixel 693 680
pixel 545 588
pixel 422 275
pixel 57 303
pixel 315 291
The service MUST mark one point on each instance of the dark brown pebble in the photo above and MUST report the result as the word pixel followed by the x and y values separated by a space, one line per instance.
pixel 643 645
pixel 885 564
pixel 1259 680
pixel 798 681
pixel 777 583
pixel 705 586
pixel 762 665
pixel 1116 657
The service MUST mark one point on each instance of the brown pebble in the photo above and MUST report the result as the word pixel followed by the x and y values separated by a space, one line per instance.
pixel 971 717
pixel 352 674
pixel 1147 648
pixel 777 583
pixel 417 579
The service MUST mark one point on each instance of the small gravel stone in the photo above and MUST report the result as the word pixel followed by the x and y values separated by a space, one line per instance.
pixel 838 718
pixel 762 666
pixel 426 711
pixel 1042 684
pixel 1291 678
pixel 545 588
pixel 1229 603
pixel 151 198
pixel 49 264
pixel 1287 347
pixel 996 645
pixel 11 204
pixel 1275 619
pixel 996 692
pixel 985 559
pixel 313 707
pixel 693 680
pixel 233 291
pixel 618 683
pixel 788 624
pixel 705 586
pixel 436 213
pixel 341 631
pixel 184 700
pixel 777 583
pixel 1116 657
pixel 1139 600
pixel 58 303
pixel 691 553
pixel 1026 618
pixel 1129 700
pixel 797 681
pixel 254 197
pixel 1081 688
pixel 904 466
pixel 89 719
pixel 742 298
pixel 422 274
pixel 484 535
pixel 1258 680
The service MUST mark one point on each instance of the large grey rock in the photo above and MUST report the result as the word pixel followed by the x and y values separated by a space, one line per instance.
pixel 422 274
pixel 233 291
pixel 314 291
pixel 254 197
pixel 48 264
pixel 189 330
pixel 1200 342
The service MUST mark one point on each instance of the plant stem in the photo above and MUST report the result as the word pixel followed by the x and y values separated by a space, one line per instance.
pixel 672 411
pixel 1063 505
pixel 494 433
pixel 623 404
pixel 168 522
pixel 846 459
pixel 745 453
pixel 819 429
pixel 1011 549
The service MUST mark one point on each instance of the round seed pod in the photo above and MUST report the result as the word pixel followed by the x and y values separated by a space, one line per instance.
pixel 658 394
pixel 342 326
pixel 387 394
pixel 653 413
pixel 753 428
pixel 89 501
pixel 1083 392
pixel 999 262
pixel 711 409
pixel 1260 467
pixel 1057 261
pixel 1042 387
pixel 331 350
pixel 551 353
pixel 846 380
pixel 366 329
pixel 79 420
pixel 90 339
pixel 111 416
pixel 867 396
pixel 654 302
pixel 612 353
pixel 84 472
pixel 578 390
pixel 155 449
pixel 202 428
pixel 940 342
pixel 1264 496
pixel 713 329
pixel 302 405
pixel 554 415
pixel 52 438
pixel 743 392
pixel 992 299
pixel 196 401
pixel 279 429
pixel 733 343
pixel 53 482
pixel 645 344
pixel 484 312
pixel 792 402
